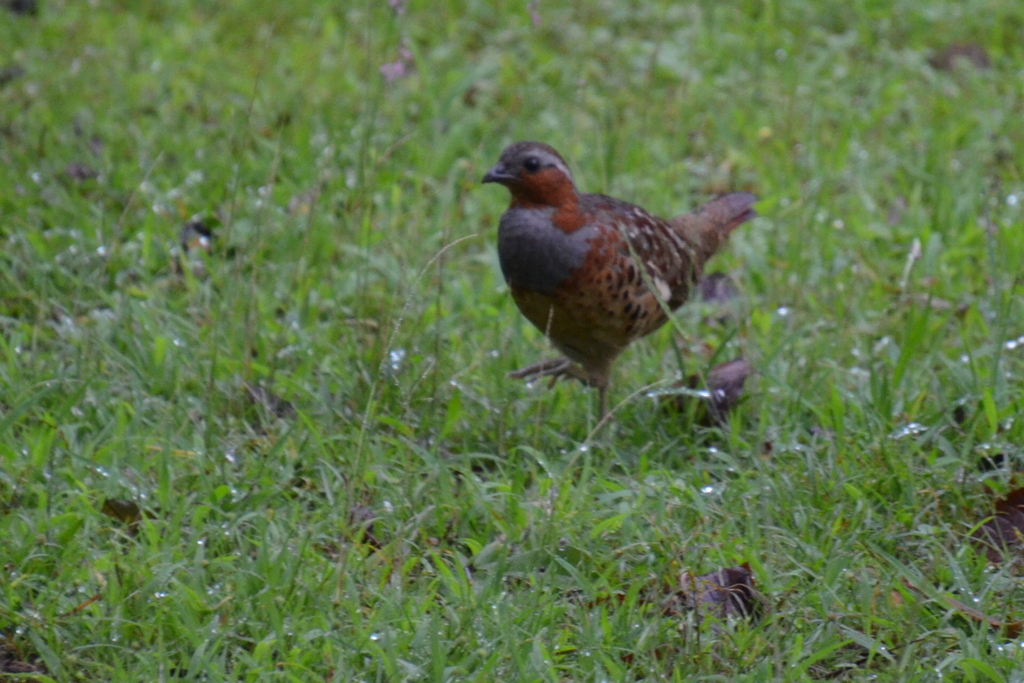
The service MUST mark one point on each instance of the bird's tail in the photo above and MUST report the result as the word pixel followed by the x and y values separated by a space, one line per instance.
pixel 708 227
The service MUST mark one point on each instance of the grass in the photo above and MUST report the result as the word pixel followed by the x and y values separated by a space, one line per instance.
pixel 420 516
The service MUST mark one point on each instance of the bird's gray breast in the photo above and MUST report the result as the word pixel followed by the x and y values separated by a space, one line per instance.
pixel 536 255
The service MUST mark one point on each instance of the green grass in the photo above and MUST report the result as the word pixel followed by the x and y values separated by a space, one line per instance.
pixel 353 273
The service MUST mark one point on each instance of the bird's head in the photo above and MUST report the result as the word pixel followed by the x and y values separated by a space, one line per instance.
pixel 535 174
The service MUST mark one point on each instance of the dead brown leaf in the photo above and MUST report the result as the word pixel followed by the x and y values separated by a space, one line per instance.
pixel 77 170
pixel 273 403
pixel 971 54
pixel 12 661
pixel 724 593
pixel 10 73
pixel 24 7
pixel 724 384
pixel 362 518
pixel 123 510
pixel 1002 536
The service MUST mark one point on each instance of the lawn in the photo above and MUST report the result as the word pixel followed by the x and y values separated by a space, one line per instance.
pixel 255 422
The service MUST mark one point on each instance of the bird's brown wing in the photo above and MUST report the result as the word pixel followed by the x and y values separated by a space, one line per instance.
pixel 669 261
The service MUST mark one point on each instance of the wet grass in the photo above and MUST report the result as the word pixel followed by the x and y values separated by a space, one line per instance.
pixel 337 481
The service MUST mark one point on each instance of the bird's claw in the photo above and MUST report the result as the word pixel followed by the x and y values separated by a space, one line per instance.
pixel 555 368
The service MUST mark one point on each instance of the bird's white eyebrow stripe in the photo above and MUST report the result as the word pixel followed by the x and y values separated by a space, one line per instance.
pixel 556 162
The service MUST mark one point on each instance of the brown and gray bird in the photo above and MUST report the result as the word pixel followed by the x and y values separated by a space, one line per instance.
pixel 592 272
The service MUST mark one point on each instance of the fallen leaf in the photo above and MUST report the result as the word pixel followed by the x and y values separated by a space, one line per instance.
pixel 990 463
pixel 125 511
pixel 270 401
pixel 10 73
pixel 12 662
pixel 725 383
pixel 724 593
pixel 25 7
pixel 122 510
pixel 76 170
pixel 1002 535
pixel 819 432
pixel 724 390
pixel 971 54
pixel 960 414
pixel 363 517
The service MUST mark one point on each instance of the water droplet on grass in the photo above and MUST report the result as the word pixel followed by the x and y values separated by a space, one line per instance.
pixel 910 429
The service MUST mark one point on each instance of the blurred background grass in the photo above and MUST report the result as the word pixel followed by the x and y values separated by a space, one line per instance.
pixel 337 481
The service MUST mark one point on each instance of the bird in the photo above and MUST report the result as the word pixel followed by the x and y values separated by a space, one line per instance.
pixel 594 273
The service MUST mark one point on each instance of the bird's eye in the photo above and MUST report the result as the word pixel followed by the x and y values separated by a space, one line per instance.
pixel 532 164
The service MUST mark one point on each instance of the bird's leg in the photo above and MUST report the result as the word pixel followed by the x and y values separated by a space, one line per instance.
pixel 602 401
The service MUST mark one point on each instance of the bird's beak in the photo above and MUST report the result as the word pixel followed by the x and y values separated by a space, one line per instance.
pixel 499 174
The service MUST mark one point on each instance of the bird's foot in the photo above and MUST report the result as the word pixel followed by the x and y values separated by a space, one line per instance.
pixel 555 368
